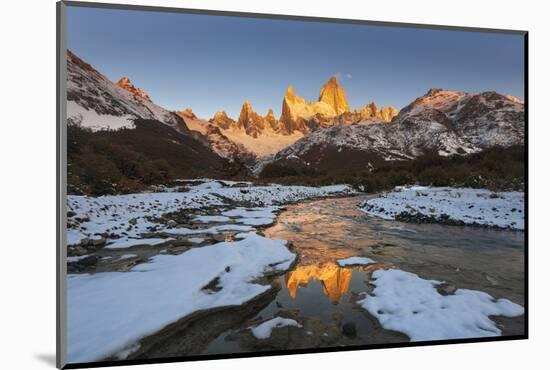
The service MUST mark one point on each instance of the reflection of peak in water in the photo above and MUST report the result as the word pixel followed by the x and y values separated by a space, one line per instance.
pixel 334 278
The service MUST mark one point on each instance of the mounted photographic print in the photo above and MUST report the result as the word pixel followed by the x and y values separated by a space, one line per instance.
pixel 234 184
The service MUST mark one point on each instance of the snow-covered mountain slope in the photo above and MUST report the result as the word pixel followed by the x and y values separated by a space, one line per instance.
pixel 490 119
pixel 442 122
pixel 486 119
pixel 373 141
pixel 93 101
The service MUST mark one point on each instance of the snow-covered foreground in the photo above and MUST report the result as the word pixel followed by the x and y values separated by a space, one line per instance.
pixel 108 312
pixel 450 205
pixel 404 302
pixel 129 216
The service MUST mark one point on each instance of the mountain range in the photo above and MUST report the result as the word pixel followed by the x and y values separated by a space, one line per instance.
pixel 307 134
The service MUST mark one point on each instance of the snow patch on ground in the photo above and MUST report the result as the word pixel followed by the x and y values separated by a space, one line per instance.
pixel 127 243
pixel 209 230
pixel 450 205
pixel 127 256
pixel 263 331
pixel 350 261
pixel 76 258
pixel 251 212
pixel 404 302
pixel 196 240
pixel 83 117
pixel 106 311
pixel 256 221
pixel 133 213
pixel 211 219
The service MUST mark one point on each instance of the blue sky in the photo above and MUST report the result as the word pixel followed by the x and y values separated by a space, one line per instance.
pixel 212 63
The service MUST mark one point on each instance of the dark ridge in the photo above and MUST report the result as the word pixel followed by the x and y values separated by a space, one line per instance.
pixel 129 160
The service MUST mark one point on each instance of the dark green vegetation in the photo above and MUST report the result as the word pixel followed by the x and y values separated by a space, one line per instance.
pixel 496 168
pixel 129 160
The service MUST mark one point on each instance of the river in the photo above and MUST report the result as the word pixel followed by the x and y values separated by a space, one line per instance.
pixel 318 290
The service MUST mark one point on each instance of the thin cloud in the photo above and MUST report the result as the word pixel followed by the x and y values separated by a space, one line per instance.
pixel 341 76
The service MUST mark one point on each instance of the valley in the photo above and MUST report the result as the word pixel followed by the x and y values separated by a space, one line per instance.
pixel 322 226
pixel 317 143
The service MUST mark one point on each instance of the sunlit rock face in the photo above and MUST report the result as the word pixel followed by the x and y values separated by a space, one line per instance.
pixel 272 121
pixel 331 109
pixel 335 279
pixel 371 113
pixel 187 113
pixel 333 94
pixel 250 121
pixel 222 120
pixel 387 113
pixel 296 111
pixel 125 83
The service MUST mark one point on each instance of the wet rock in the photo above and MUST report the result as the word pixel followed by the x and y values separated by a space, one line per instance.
pixel 71 214
pixel 491 280
pixel 99 242
pixel 446 289
pixel 78 251
pixel 349 330
pixel 218 237
pixel 84 265
pixel 213 286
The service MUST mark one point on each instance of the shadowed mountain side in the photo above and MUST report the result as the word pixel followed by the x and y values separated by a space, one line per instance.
pixel 497 168
pixel 128 160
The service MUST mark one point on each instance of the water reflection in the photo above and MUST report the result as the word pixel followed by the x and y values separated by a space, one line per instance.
pixel 324 231
pixel 334 279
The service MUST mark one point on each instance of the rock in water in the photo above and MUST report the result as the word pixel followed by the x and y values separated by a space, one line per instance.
pixel 349 330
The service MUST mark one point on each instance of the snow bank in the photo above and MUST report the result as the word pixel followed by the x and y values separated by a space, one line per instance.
pixel 127 243
pixel 260 212
pixel 127 256
pixel 207 219
pixel 76 258
pixel 450 205
pixel 209 230
pixel 264 330
pixel 350 261
pixel 404 302
pixel 110 311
